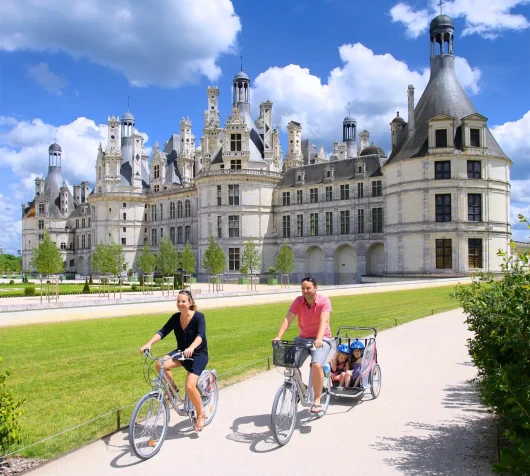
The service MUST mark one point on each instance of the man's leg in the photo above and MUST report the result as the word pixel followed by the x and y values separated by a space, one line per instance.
pixel 318 381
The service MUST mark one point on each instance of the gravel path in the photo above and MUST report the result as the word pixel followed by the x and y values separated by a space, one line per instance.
pixel 427 421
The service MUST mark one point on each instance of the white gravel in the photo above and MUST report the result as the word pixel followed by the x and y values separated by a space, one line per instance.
pixel 427 421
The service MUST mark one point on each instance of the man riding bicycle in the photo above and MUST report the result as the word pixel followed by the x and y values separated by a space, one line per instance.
pixel 313 311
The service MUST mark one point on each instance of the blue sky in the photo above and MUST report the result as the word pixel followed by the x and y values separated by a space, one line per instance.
pixel 67 65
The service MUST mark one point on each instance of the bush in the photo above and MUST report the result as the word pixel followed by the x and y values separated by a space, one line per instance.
pixel 272 270
pixel 90 281
pixel 134 288
pixel 498 313
pixel 29 291
pixel 12 281
pixel 159 281
pixel 141 280
pixel 9 415
pixel 104 281
pixel 86 287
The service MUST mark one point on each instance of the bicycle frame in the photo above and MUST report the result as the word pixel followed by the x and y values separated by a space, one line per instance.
pixel 305 392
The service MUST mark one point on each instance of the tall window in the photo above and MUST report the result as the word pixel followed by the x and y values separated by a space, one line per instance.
pixel 187 208
pixel 329 193
pixel 286 199
pixel 187 234
pixel 474 207
pixel 286 226
pixel 172 210
pixel 219 226
pixel 360 190
pixel 41 237
pixel 233 226
pixel 83 223
pixel 235 164
pixel 377 188
pixel 474 169
pixel 299 225
pixel 41 209
pixel 77 223
pixel 219 195
pixel 299 197
pixel 233 195
pixel 153 237
pixel 329 223
pixel 161 212
pixel 345 222
pixel 89 241
pixel 443 207
pixel 441 137
pixel 313 195
pixel 474 137
pixel 444 258
pixel 313 224
pixel 153 212
pixel 124 241
pixel 63 245
pixel 156 170
pixel 83 242
pixel 235 142
pixel 179 235
pixel 172 234
pixel 124 217
pixel 161 233
pixel 41 224
pixel 179 209
pixel 442 169
pixel 345 192
pixel 377 220
pixel 474 252
pixel 360 220
pixel 233 259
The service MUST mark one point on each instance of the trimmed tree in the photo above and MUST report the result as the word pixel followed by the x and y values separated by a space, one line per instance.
pixel 47 259
pixel 167 258
pixel 214 259
pixel 187 260
pixel 146 263
pixel 98 263
pixel 115 261
pixel 285 263
pixel 251 258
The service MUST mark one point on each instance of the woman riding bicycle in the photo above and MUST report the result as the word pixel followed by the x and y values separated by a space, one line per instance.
pixel 189 327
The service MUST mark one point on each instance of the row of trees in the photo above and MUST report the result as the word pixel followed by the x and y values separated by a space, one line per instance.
pixel 10 263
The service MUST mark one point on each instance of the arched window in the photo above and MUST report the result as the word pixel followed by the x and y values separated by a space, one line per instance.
pixel 172 210
pixel 187 209
pixel 179 209
pixel 63 245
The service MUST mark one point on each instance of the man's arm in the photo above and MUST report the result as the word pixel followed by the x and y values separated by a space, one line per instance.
pixel 324 322
pixel 285 325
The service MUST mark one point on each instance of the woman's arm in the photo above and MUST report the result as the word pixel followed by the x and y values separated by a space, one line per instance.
pixel 196 343
pixel 153 340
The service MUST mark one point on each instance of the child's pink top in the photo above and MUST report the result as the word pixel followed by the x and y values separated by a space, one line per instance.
pixel 309 319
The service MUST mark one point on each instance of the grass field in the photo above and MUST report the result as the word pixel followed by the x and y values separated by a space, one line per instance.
pixel 72 372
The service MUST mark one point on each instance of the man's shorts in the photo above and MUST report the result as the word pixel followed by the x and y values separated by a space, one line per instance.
pixel 319 356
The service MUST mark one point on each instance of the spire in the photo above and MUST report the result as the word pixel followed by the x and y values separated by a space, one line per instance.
pixel 241 58
pixel 441 4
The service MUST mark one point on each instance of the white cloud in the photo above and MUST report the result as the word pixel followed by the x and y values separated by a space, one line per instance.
pixel 375 85
pixel 163 42
pixel 11 229
pixel 43 76
pixel 485 18
pixel 514 138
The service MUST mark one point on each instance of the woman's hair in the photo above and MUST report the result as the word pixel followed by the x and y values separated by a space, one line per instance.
pixel 193 305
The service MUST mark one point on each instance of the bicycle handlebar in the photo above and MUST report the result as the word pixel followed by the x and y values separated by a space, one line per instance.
pixel 178 356
pixel 279 343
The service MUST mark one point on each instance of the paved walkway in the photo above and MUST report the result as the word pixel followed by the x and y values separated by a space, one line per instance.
pixel 426 421
pixel 87 307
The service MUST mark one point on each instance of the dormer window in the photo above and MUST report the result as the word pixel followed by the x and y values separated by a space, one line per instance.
pixel 474 137
pixel 441 138
pixel 473 133
pixel 328 173
pixel 156 172
pixel 235 142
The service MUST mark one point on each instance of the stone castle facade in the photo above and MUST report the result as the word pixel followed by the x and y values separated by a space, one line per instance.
pixel 438 206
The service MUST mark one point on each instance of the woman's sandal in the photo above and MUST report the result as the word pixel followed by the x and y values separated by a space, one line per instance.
pixel 199 423
pixel 316 408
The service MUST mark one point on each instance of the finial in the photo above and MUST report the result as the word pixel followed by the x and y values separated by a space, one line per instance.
pixel 441 7
pixel 398 114
pixel 348 108
pixel 241 58
pixel 127 103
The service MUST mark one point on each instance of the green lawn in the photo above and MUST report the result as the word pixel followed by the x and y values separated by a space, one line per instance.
pixel 72 372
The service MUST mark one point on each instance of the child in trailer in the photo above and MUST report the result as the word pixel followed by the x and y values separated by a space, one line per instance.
pixel 353 376
pixel 340 365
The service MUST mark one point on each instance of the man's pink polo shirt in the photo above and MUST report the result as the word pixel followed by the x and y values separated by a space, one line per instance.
pixel 309 319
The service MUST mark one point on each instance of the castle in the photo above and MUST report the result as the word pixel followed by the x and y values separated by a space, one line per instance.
pixel 438 206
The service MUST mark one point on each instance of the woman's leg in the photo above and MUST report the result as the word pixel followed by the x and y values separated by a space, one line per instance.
pixel 195 397
pixel 168 365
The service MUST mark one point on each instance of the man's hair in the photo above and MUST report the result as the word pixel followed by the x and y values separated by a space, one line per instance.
pixel 310 279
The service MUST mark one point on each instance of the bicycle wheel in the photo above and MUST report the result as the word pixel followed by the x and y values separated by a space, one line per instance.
pixel 148 426
pixel 209 389
pixel 283 416
pixel 375 380
pixel 325 397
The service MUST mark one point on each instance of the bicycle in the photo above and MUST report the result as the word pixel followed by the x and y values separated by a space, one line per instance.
pixel 293 390
pixel 150 417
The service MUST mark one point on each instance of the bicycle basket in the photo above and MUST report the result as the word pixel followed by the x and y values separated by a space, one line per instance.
pixel 289 355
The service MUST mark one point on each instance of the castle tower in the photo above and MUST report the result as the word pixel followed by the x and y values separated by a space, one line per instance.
pixel 349 136
pixel 396 126
pixel 364 136
pixel 212 115
pixel 265 113
pixel 241 92
pixel 64 199
pixel 39 186
pixel 127 124
pixel 54 155
pixel 294 157
pixel 186 158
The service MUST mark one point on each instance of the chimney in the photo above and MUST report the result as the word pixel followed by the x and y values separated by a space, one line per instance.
pixel 410 94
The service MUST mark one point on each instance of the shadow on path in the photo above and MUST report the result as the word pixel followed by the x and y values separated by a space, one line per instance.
pixel 460 447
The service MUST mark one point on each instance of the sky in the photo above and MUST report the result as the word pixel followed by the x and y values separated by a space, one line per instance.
pixel 66 65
